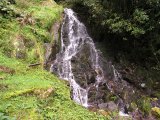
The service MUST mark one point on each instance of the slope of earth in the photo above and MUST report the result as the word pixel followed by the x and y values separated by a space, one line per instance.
pixel 31 93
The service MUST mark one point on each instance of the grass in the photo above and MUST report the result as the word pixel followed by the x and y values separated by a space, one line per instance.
pixel 37 17
pixel 19 101
pixel 19 96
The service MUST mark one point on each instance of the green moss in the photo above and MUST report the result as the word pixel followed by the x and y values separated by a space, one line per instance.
pixel 144 105
pixel 42 14
pixel 17 90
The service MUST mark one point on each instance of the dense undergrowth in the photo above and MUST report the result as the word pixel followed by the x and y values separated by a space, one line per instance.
pixel 32 93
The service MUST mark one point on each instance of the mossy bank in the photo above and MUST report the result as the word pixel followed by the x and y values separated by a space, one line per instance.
pixel 31 93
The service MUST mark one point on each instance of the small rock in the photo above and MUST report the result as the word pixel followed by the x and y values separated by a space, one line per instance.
pixel 103 112
pixel 103 106
pixel 112 106
pixel 143 85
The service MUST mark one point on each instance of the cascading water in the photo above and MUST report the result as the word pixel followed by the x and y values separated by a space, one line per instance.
pixel 79 62
pixel 75 37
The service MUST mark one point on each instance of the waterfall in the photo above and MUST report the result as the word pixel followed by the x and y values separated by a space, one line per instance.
pixel 79 62
pixel 73 36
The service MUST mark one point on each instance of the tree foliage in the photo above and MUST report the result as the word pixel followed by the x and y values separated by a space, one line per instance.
pixel 135 21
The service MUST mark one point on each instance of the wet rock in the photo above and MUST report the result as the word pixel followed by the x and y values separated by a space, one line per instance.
pixel 103 106
pixel 82 68
pixel 51 49
pixel 100 94
pixel 112 106
pixel 92 92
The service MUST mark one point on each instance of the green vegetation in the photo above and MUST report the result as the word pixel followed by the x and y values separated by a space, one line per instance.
pixel 31 93
pixel 145 105
pixel 133 25
pixel 24 33
pixel 23 95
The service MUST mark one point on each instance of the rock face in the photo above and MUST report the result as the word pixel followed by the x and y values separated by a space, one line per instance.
pixel 111 106
pixel 51 49
pixel 82 67
pixel 94 81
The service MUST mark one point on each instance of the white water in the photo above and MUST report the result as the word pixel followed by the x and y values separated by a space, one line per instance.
pixel 76 37
pixel 123 114
pixel 73 37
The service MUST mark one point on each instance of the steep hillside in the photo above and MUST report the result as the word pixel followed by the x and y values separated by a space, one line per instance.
pixel 28 92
